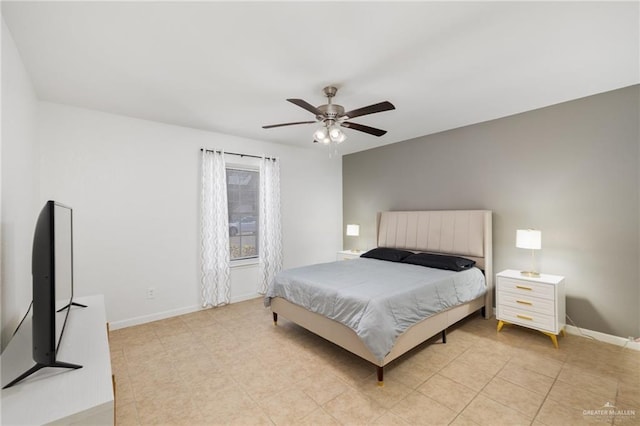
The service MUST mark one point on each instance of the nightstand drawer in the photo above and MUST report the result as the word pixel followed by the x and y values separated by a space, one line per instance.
pixel 526 288
pixel 526 303
pixel 528 318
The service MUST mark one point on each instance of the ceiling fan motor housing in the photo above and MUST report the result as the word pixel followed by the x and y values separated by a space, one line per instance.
pixel 332 111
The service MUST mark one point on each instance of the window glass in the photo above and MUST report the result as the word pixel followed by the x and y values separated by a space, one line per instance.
pixel 242 196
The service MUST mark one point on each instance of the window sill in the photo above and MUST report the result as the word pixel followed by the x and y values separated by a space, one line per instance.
pixel 244 263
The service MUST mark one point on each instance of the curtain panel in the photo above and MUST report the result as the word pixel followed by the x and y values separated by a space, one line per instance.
pixel 214 230
pixel 270 229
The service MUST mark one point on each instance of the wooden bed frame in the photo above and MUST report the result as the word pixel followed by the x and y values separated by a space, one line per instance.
pixel 465 233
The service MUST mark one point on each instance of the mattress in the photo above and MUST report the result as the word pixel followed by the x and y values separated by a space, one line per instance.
pixel 377 299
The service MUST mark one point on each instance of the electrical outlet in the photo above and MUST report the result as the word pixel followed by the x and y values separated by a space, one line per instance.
pixel 151 293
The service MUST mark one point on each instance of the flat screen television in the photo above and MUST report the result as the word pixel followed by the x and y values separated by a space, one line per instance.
pixel 52 272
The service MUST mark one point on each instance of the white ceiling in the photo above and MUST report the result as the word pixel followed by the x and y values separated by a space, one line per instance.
pixel 228 67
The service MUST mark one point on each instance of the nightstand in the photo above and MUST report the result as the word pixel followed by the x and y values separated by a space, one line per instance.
pixel 534 302
pixel 348 254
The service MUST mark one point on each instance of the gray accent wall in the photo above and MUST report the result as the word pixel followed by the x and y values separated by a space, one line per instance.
pixel 571 170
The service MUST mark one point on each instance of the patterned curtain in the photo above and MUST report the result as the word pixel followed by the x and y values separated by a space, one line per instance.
pixel 214 229
pixel 270 229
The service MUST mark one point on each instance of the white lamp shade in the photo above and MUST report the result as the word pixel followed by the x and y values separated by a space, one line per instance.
pixel 320 134
pixel 529 239
pixel 336 134
pixel 353 230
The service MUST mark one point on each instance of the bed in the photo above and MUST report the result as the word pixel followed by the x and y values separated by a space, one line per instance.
pixel 466 233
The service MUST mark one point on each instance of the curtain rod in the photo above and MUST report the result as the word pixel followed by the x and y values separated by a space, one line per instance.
pixel 235 153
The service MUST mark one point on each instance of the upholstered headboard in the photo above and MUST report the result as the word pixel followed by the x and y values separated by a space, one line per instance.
pixel 466 233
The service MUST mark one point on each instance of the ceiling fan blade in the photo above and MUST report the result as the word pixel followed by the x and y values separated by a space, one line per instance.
pixel 363 128
pixel 306 105
pixel 287 124
pixel 371 109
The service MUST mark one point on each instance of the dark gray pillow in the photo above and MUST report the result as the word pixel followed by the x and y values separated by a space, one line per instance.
pixel 439 261
pixel 385 253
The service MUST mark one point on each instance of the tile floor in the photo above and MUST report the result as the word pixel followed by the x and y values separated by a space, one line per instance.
pixel 231 365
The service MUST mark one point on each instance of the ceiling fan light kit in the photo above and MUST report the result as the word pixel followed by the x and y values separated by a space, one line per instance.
pixel 332 118
pixel 329 132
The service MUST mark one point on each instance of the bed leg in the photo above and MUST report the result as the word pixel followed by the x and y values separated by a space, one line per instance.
pixel 275 318
pixel 380 376
pixel 444 336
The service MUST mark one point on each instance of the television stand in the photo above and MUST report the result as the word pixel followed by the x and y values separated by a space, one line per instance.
pixel 38 366
pixel 70 305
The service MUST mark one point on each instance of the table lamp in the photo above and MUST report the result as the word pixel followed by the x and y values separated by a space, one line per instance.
pixel 529 239
pixel 353 230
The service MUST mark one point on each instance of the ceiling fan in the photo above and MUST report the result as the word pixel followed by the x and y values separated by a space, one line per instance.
pixel 332 117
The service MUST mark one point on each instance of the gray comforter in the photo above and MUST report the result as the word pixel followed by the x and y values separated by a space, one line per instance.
pixel 377 299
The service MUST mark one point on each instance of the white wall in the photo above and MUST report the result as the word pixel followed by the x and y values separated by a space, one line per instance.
pixel 134 188
pixel 19 186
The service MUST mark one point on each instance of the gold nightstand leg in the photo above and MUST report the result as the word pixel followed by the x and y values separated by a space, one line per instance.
pixel 562 333
pixel 500 325
pixel 553 337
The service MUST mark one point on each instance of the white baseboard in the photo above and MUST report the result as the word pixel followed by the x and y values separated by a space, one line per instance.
pixel 244 297
pixel 602 337
pixel 153 317
pixel 171 313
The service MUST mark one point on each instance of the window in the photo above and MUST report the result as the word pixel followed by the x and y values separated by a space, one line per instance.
pixel 242 196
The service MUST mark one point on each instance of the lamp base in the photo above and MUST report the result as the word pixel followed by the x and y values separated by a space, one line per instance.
pixel 532 274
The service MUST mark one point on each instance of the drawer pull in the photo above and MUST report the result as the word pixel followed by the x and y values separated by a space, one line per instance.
pixel 522 302
pixel 524 317
pixel 521 287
